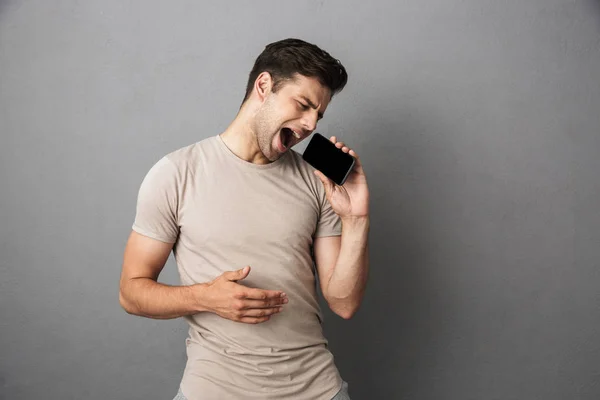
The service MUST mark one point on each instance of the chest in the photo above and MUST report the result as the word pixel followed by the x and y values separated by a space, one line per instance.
pixel 249 210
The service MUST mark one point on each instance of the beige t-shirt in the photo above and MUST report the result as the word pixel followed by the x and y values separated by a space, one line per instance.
pixel 224 213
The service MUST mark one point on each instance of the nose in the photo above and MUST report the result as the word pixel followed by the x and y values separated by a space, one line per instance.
pixel 309 121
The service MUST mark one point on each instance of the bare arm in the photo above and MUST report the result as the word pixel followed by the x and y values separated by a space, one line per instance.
pixel 343 262
pixel 343 266
pixel 141 294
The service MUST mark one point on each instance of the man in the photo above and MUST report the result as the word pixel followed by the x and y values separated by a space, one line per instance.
pixel 247 220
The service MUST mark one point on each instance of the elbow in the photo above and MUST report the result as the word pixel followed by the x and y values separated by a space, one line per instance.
pixel 344 310
pixel 346 314
pixel 125 304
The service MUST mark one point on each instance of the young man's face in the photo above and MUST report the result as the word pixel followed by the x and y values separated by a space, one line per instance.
pixel 290 115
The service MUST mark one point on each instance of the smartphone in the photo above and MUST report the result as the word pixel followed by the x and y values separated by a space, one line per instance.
pixel 331 161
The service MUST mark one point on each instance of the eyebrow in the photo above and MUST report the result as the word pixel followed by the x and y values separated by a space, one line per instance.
pixel 310 103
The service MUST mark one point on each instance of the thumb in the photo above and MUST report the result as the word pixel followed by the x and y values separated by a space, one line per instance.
pixel 237 275
pixel 327 183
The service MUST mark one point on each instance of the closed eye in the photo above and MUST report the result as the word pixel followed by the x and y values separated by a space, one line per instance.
pixel 306 107
pixel 303 106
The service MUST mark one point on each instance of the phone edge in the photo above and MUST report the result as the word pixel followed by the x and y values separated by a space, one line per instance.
pixel 349 170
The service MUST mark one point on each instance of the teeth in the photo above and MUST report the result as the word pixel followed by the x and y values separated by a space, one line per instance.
pixel 297 135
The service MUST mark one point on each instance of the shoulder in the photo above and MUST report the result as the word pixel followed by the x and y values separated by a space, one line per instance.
pixel 192 154
pixel 295 159
pixel 189 160
pixel 306 173
pixel 177 166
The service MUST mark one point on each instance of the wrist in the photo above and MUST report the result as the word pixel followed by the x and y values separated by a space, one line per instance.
pixel 353 221
pixel 199 299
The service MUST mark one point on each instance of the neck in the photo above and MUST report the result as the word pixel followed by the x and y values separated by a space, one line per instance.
pixel 240 138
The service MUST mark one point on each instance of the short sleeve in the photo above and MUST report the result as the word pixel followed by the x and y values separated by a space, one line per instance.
pixel 156 210
pixel 329 223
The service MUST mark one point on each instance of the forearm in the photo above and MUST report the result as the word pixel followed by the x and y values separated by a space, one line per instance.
pixel 347 283
pixel 148 298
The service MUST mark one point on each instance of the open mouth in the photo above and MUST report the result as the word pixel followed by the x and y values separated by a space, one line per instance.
pixel 287 138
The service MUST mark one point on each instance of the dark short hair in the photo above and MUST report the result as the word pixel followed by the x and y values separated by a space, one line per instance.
pixel 285 58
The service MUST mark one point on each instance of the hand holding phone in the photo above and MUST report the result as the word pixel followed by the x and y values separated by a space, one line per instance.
pixel 327 158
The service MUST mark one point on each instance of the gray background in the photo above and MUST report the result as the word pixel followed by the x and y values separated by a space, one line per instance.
pixel 478 122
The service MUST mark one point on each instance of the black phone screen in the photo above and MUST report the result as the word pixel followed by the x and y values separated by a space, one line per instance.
pixel 331 161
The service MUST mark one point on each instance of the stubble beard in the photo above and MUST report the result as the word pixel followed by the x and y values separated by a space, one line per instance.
pixel 266 130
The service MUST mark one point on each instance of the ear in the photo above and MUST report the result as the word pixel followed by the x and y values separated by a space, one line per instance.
pixel 263 85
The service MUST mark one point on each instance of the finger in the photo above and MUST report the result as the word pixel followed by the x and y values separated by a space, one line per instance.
pixel 236 275
pixel 261 312
pixel 327 183
pixel 254 320
pixel 357 163
pixel 260 294
pixel 345 149
pixel 270 303
pixel 333 139
pixel 339 145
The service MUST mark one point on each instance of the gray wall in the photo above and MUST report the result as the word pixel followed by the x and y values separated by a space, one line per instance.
pixel 479 126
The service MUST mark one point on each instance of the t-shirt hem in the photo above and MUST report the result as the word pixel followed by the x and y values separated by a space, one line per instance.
pixel 328 234
pixel 152 235
pixel 329 395
pixel 335 392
